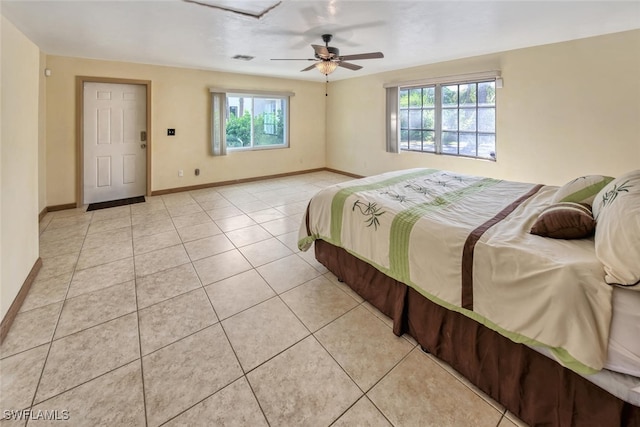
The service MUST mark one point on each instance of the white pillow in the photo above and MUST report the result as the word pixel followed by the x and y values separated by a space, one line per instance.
pixel 616 209
pixel 582 189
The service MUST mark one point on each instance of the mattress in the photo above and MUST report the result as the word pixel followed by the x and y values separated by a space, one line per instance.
pixel 624 337
pixel 621 373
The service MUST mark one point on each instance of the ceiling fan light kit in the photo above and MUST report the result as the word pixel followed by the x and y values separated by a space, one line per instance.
pixel 326 67
pixel 327 58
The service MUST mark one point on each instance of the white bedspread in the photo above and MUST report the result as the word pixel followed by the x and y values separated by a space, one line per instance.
pixel 413 225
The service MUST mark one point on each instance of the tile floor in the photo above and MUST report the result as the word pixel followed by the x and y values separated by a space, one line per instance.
pixel 197 308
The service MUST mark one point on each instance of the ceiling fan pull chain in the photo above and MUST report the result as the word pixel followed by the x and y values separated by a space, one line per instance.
pixel 326 86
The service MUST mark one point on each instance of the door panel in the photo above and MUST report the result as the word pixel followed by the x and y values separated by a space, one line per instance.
pixel 130 127
pixel 114 155
pixel 103 95
pixel 104 126
pixel 129 169
pixel 104 171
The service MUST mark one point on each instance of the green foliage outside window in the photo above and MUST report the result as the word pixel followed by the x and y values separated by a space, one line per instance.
pixel 239 130
pixel 261 137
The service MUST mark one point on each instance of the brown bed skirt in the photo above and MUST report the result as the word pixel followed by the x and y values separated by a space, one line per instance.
pixel 535 388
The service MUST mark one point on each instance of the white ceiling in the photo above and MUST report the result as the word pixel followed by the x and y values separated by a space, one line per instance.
pixel 409 33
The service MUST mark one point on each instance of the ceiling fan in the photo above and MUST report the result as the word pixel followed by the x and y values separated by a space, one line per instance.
pixel 327 58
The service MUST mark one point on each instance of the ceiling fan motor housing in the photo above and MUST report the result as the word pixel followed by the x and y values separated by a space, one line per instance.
pixel 334 53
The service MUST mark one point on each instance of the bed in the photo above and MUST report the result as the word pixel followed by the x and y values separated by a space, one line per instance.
pixel 533 321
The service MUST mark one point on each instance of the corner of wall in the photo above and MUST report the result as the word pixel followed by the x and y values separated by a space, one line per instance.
pixel 42 134
pixel 19 161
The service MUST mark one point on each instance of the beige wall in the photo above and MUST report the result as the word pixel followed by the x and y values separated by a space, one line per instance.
pixel 181 100
pixel 566 109
pixel 19 161
pixel 42 135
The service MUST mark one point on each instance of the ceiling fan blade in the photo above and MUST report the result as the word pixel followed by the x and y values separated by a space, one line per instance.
pixel 310 67
pixel 300 44
pixel 371 55
pixel 292 59
pixel 349 65
pixel 310 16
pixel 364 25
pixel 321 51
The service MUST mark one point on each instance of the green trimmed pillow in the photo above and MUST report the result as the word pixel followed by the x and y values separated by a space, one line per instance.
pixel 616 209
pixel 565 220
pixel 581 190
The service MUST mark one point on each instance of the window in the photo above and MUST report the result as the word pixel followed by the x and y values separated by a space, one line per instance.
pixel 417 119
pixel 271 118
pixel 255 122
pixel 443 117
pixel 249 121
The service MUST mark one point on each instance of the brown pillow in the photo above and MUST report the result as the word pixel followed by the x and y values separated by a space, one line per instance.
pixel 565 220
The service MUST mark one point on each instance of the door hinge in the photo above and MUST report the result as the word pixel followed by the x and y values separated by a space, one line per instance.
pixel 143 135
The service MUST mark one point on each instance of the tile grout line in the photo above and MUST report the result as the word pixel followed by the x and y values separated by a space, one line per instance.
pixel 481 394
pixel 383 377
pixel 438 363
pixel 90 327
pixel 328 352
pixel 276 295
pixel 257 400
pixel 219 321
pixel 88 381
pixel 244 373
pixel 135 285
pixel 53 333
pixel 352 379
pixel 50 343
pixel 501 417
pixel 86 234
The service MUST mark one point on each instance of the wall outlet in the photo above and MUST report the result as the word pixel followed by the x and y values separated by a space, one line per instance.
pixel 180 172
pixel 171 132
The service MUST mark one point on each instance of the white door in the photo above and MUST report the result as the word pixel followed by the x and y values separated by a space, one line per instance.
pixel 115 125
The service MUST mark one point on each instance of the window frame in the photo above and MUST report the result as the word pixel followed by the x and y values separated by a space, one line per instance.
pixel 422 109
pixel 397 115
pixel 220 111
pixel 285 116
